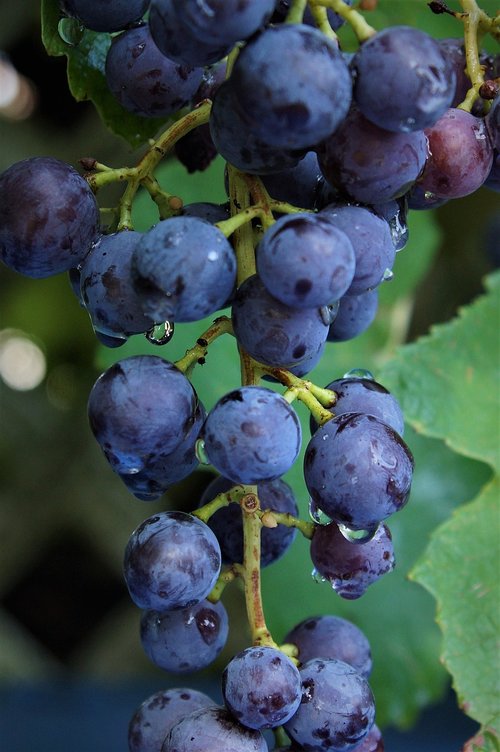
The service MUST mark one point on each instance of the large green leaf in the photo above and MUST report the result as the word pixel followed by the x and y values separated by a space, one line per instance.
pixel 86 59
pixel 448 382
pixel 460 569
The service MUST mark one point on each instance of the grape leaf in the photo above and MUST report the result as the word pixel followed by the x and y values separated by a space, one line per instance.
pixel 86 60
pixel 465 583
pixel 447 382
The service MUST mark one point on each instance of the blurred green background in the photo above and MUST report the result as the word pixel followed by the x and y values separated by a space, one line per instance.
pixel 65 518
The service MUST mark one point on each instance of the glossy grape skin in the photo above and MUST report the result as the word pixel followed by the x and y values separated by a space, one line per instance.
pixel 403 81
pixel 143 80
pixel 183 269
pixel 49 217
pixel 227 523
pixel 292 106
pixel 185 640
pixel 252 434
pixel 213 730
pixel 223 21
pixel 329 637
pixel 371 239
pixel 358 470
pixel 305 261
pixel 261 687
pixel 154 718
pixel 140 409
pixel 273 333
pixel 105 16
pixel 300 185
pixel 460 155
pixel 355 395
pixel 395 212
pixel 337 708
pixel 235 138
pixel 370 164
pixel 172 560
pixel 355 314
pixel 350 567
pixel 106 286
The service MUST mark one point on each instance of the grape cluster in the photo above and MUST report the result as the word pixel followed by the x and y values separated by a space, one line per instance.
pixel 325 153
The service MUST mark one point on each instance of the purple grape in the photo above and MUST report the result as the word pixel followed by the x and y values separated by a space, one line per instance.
pixel 370 164
pixel 403 80
pixel 351 567
pixel 183 269
pixel 106 286
pixel 395 213
pixel 252 434
pixel 140 409
pixel 329 637
pixel 358 470
pixel 261 687
pixel 305 261
pixel 493 180
pixel 371 239
pixel 227 523
pixel 143 80
pixel 154 718
pixel 223 21
pixel 297 104
pixel 354 316
pixel 172 560
pixel 454 51
pixel 196 150
pixel 372 742
pixel 460 155
pixel 49 217
pixel 492 123
pixel 205 210
pixel 187 639
pixel 337 709
pixel 420 199
pixel 300 185
pixel 213 730
pixel 273 333
pixel 105 15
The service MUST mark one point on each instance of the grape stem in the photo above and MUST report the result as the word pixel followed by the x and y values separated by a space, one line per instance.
pixel 227 575
pixel 296 13
pixel 317 399
pixel 243 236
pixel 320 16
pixel 358 23
pixel 476 23
pixel 221 325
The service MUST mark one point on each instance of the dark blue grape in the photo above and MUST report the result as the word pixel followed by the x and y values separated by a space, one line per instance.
pixel 419 198
pixel 227 523
pixel 493 180
pixel 370 164
pixel 358 470
pixel 329 637
pixel 187 639
pixel 403 80
pixel 213 730
pixel 154 718
pixel 205 210
pixel 106 286
pixel 252 434
pixel 492 123
pixel 223 21
pixel 371 239
pixel 176 40
pixel 172 560
pixel 49 217
pixel 372 742
pixel 196 150
pixel 183 269
pixel 140 409
pixel 305 261
pixel 300 185
pixel 273 333
pixel 297 104
pixel 354 316
pixel 106 15
pixel 235 139
pixel 395 213
pixel 283 6
pixel 143 80
pixel 350 567
pixel 337 709
pixel 261 687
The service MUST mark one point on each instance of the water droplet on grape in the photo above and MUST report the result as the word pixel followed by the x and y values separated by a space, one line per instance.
pixel 317 577
pixel 359 373
pixel 201 455
pixel 317 515
pixel 388 275
pixel 71 31
pixel 428 195
pixel 329 312
pixel 160 334
pixel 358 536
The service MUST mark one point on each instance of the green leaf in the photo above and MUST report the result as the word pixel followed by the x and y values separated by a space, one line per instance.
pixel 447 382
pixel 460 568
pixel 86 60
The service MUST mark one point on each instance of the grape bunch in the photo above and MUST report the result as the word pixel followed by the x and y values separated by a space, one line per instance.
pixel 326 153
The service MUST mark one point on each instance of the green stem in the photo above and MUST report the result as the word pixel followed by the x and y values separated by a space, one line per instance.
pixel 321 20
pixel 296 13
pixel 316 399
pixel 243 236
pixel 285 518
pixel 359 25
pixel 476 22
pixel 226 576
pixel 280 737
pixel 228 226
pixel 168 204
pixel 221 325
pixel 235 494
